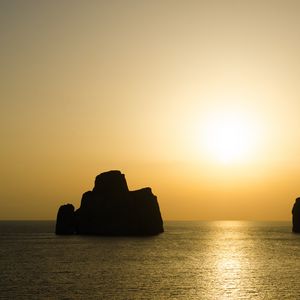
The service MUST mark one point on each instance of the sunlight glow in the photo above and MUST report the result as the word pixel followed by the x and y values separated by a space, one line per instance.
pixel 230 136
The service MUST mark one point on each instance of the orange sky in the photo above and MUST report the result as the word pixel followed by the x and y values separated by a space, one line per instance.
pixel 197 99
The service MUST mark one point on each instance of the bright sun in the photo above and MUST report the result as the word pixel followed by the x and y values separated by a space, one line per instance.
pixel 230 136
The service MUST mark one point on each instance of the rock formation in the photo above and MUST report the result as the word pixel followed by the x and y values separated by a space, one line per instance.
pixel 65 222
pixel 296 216
pixel 111 209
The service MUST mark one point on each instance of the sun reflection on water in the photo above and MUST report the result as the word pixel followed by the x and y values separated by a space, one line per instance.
pixel 230 259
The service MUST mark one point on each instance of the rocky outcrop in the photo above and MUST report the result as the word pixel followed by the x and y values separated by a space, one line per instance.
pixel 65 221
pixel 296 216
pixel 111 209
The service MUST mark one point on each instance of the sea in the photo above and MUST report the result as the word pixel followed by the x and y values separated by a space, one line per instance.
pixel 190 260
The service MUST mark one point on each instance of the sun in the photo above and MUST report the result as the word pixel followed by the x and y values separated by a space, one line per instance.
pixel 230 136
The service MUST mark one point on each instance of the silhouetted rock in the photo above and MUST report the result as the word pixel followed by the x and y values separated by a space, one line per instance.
pixel 111 209
pixel 296 216
pixel 65 221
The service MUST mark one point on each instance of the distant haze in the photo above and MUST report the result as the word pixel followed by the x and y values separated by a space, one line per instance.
pixel 198 99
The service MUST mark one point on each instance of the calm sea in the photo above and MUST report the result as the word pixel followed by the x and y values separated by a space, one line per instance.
pixel 191 260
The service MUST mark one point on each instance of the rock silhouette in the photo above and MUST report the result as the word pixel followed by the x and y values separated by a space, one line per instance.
pixel 111 209
pixel 65 221
pixel 296 216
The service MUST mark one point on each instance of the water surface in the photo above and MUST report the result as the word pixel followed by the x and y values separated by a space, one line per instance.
pixel 191 260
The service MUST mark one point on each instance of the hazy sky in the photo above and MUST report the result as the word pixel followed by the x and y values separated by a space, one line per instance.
pixel 197 99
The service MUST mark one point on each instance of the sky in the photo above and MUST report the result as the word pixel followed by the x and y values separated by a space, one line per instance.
pixel 197 99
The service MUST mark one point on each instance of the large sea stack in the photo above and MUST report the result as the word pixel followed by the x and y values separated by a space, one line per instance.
pixel 111 209
pixel 296 216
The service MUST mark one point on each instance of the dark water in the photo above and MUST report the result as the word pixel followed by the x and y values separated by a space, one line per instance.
pixel 191 260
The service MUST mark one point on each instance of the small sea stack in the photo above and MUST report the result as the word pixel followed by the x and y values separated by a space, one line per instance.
pixel 111 209
pixel 65 221
pixel 296 216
